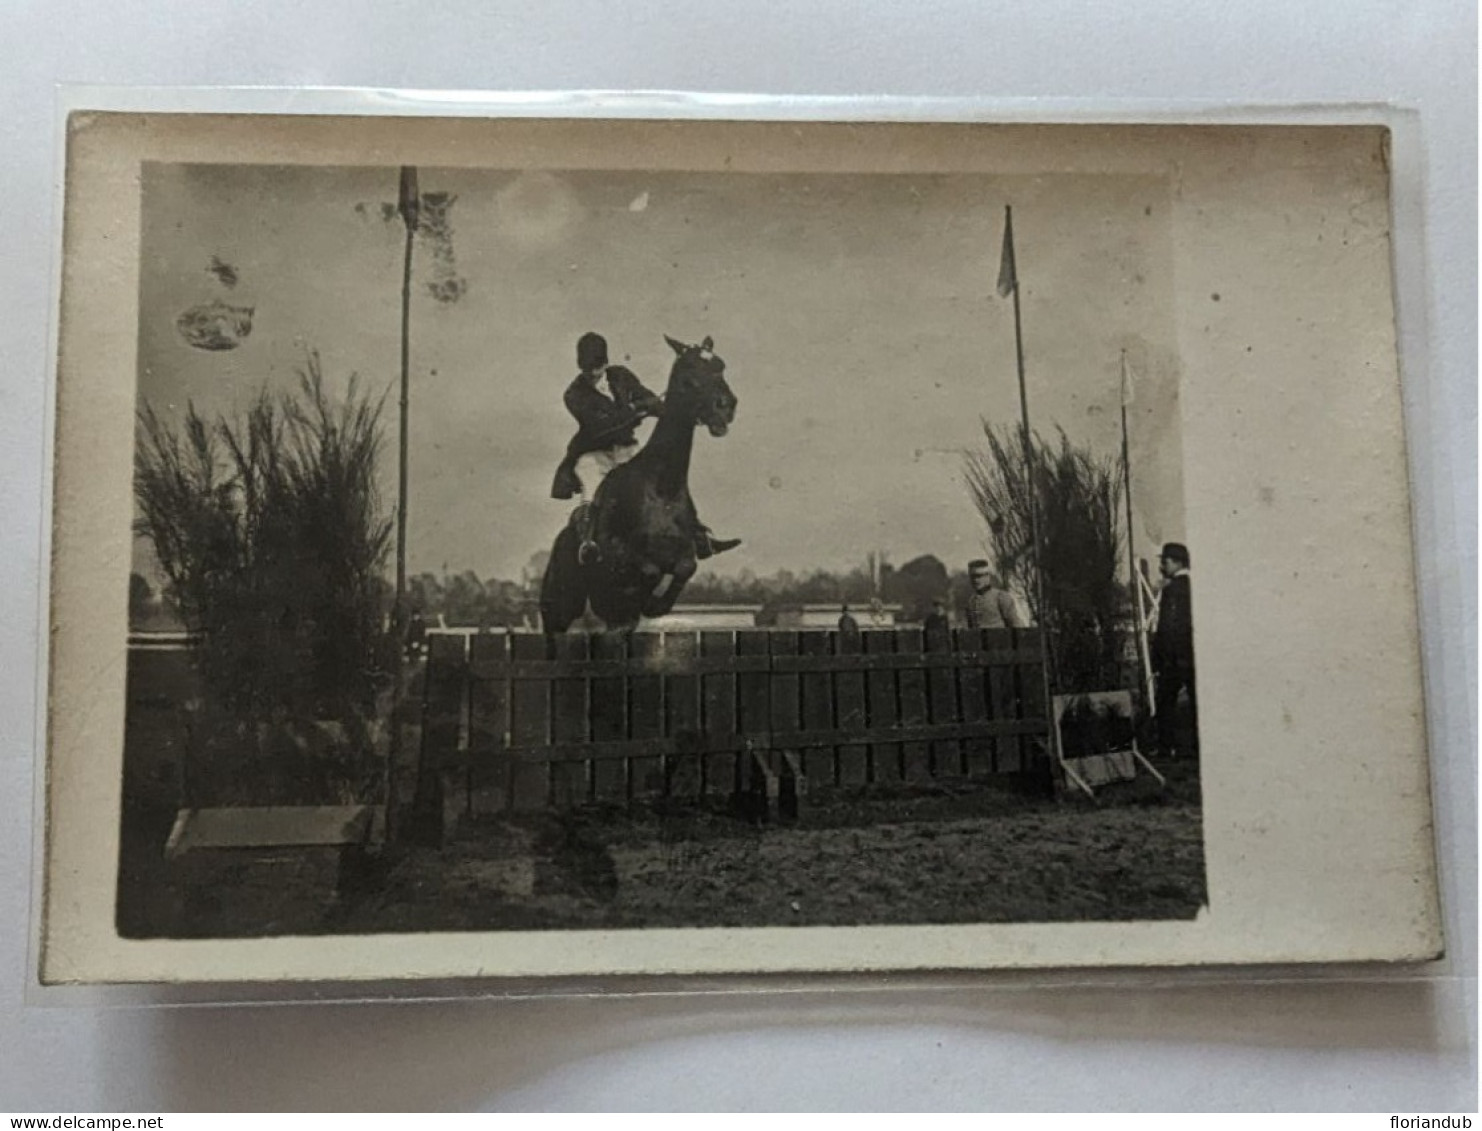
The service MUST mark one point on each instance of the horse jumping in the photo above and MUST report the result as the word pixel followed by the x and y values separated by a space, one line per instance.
pixel 643 521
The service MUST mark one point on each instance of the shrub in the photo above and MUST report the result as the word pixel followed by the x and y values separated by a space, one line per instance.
pixel 269 532
pixel 1078 496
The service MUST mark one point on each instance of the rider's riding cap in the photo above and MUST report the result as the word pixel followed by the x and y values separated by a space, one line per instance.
pixel 591 352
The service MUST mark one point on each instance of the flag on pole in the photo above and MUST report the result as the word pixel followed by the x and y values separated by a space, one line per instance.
pixel 1127 395
pixel 1008 275
pixel 408 202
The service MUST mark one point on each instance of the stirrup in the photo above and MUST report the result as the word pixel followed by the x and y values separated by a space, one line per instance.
pixel 588 552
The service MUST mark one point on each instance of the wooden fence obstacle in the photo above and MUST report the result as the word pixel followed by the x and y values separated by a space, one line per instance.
pixel 514 721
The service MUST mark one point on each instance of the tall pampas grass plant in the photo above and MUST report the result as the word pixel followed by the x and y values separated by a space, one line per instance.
pixel 270 534
pixel 1078 495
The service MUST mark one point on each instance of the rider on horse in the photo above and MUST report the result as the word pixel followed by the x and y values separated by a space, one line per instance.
pixel 608 402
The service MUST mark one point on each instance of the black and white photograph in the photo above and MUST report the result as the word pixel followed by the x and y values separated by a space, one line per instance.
pixel 723 557
pixel 630 549
pixel 711 543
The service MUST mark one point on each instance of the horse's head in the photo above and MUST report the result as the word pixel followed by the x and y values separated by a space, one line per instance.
pixel 697 387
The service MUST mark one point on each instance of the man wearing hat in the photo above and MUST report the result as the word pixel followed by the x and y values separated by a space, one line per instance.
pixel 1173 647
pixel 608 402
pixel 990 605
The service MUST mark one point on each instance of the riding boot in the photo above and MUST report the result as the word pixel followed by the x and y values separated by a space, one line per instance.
pixel 587 550
pixel 567 484
pixel 707 545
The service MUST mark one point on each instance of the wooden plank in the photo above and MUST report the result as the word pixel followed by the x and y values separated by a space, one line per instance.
pixel 1031 692
pixel 612 666
pixel 786 693
pixel 610 718
pixel 571 781
pixel 915 756
pixel 437 792
pixel 820 763
pixel 718 726
pixel 756 663
pixel 684 769
pixel 753 700
pixel 882 691
pixel 792 787
pixel 646 713
pixel 943 706
pixel 270 826
pixel 898 662
pixel 445 698
pixel 765 787
pixel 727 746
pixel 1003 700
pixel 442 718
pixel 972 693
pixel 530 726
pixel 926 732
pixel 850 713
pixel 488 728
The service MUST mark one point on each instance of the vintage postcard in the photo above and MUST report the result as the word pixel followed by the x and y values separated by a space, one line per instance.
pixel 578 547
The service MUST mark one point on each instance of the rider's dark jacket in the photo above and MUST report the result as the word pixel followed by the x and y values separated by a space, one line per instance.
pixel 603 422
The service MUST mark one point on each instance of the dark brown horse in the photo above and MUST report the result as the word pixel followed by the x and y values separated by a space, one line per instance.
pixel 644 521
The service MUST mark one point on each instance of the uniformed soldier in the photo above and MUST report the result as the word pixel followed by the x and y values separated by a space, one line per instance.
pixel 608 402
pixel 990 606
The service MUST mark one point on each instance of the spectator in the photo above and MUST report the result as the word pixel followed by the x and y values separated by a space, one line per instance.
pixel 847 623
pixel 990 605
pixel 1173 649
pixel 936 621
pixel 416 634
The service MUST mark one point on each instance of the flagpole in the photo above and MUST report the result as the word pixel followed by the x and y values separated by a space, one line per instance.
pixel 1008 278
pixel 1135 584
pixel 408 203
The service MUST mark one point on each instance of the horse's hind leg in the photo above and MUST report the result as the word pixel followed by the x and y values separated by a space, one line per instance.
pixel 563 591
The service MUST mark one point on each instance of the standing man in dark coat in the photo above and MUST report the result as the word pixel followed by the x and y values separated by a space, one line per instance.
pixel 608 402
pixel 847 623
pixel 937 624
pixel 1173 647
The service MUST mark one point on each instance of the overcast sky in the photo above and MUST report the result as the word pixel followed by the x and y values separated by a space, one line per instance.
pixel 857 316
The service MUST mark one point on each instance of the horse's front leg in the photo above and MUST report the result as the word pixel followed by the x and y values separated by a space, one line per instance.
pixel 666 587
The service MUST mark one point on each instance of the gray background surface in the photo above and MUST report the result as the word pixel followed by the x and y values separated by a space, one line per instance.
pixel 1375 1046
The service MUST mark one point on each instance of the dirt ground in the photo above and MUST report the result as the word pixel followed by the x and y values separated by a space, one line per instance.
pixel 972 853
pixel 943 852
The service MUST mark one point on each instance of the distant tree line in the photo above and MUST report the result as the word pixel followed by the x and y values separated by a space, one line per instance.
pixel 466 599
pixel 914 586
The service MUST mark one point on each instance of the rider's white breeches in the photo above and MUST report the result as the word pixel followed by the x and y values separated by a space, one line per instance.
pixel 594 467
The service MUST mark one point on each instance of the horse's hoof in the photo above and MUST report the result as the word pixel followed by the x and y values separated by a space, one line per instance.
pixel 709 547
